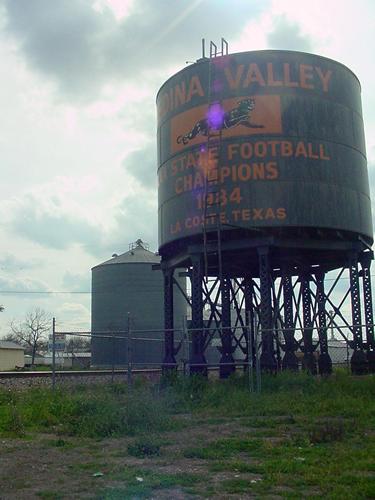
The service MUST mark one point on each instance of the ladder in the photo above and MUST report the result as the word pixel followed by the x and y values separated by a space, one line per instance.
pixel 211 224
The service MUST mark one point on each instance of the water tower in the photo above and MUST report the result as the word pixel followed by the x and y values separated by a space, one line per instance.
pixel 263 190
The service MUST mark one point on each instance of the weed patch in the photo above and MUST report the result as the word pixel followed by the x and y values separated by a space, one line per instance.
pixel 236 466
pixel 59 443
pixel 140 483
pixel 144 448
pixel 327 432
pixel 49 495
pixel 238 485
pixel 95 413
pixel 224 448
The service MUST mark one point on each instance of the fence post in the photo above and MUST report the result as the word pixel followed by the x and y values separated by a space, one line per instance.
pixel 53 353
pixel 257 359
pixel 184 352
pixel 347 358
pixel 113 358
pixel 129 354
pixel 183 347
pixel 188 348
pixel 250 367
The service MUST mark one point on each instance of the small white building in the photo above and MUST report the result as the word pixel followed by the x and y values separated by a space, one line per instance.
pixel 339 351
pixel 12 355
pixel 64 360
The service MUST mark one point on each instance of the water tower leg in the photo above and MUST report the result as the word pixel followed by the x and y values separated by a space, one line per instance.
pixel 359 363
pixel 169 361
pixel 198 363
pixel 324 361
pixel 250 319
pixel 366 259
pixel 226 361
pixel 290 360
pixel 267 358
pixel 309 362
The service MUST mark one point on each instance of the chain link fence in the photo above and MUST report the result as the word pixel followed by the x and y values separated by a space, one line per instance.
pixel 126 352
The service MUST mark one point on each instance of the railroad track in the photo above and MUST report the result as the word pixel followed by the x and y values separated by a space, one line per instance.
pixel 75 373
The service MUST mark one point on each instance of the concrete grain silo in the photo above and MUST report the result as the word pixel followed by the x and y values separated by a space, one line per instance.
pixel 127 286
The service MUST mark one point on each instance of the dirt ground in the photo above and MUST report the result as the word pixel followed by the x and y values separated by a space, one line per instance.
pixel 53 467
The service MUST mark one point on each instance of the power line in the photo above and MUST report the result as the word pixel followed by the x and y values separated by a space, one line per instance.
pixel 58 292
pixel 48 292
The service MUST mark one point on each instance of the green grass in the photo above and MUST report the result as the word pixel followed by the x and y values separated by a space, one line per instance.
pixel 342 469
pixel 141 483
pixel 49 495
pixel 302 436
pixel 145 446
pixel 225 448
pixel 284 395
pixel 96 412
pixel 110 411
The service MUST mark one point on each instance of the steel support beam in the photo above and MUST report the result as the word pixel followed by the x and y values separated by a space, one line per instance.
pixel 290 360
pixel 309 362
pixel 324 361
pixel 267 358
pixel 250 318
pixel 169 361
pixel 359 363
pixel 198 363
pixel 226 361
pixel 366 259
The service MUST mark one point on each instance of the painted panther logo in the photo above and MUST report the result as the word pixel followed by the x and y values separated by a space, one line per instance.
pixel 240 115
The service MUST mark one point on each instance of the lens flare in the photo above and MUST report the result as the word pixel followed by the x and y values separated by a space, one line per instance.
pixel 215 116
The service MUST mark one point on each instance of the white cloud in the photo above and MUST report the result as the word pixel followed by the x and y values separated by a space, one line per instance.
pixel 77 141
pixel 82 48
pixel 72 316
pixel 77 282
pixel 141 165
pixel 287 35
pixel 10 263
pixel 21 285
pixel 47 222
pixel 119 8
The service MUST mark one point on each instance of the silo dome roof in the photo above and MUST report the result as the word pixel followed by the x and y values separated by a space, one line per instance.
pixel 138 254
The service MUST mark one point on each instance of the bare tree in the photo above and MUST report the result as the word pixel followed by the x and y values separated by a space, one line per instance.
pixel 32 331
pixel 10 337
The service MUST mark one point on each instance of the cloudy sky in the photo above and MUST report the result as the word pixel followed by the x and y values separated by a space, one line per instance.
pixel 77 135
